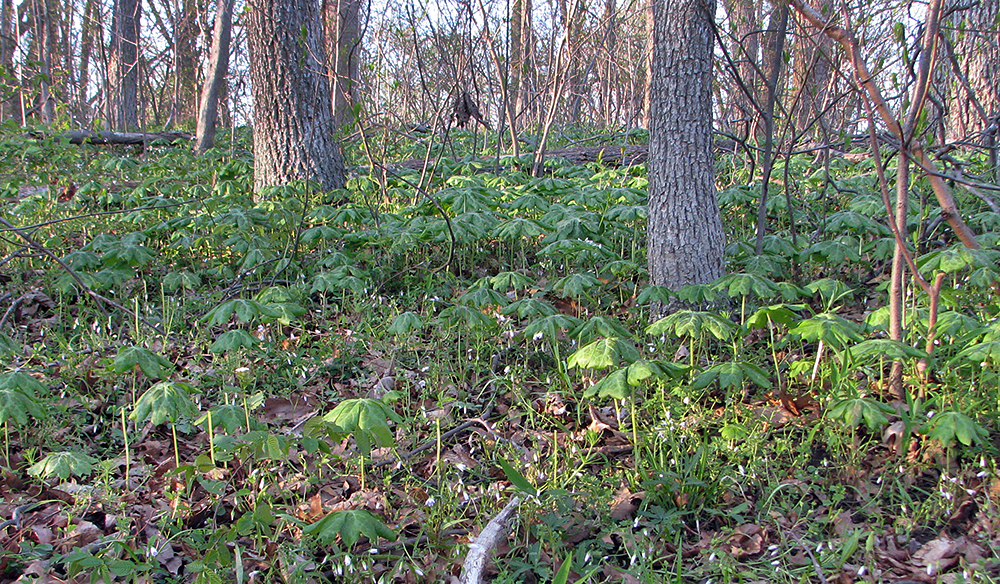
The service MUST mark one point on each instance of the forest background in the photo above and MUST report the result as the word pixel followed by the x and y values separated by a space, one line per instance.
pixel 328 291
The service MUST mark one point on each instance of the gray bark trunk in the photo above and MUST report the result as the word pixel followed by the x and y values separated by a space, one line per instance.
pixel 343 22
pixel 685 237
pixel 123 66
pixel 293 130
pixel 215 76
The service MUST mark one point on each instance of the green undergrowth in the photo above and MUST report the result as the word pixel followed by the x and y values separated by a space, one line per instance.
pixel 207 385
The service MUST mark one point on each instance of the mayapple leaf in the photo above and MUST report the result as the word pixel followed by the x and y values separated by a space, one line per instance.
pixel 365 419
pixel 349 525
pixel 17 405
pixel 233 340
pixel 946 427
pixel 852 410
pixel 151 364
pixel 405 323
pixel 165 401
pixel 63 465
pixel 604 353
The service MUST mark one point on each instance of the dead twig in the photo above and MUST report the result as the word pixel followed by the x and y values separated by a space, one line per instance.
pixel 482 548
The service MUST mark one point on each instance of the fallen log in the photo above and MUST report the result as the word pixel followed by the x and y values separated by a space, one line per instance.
pixel 128 138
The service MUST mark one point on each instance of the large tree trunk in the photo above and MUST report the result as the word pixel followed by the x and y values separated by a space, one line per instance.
pixel 185 63
pixel 89 27
pixel 8 42
pixel 293 130
pixel 123 66
pixel 975 106
pixel 685 237
pixel 342 20
pixel 215 76
pixel 744 28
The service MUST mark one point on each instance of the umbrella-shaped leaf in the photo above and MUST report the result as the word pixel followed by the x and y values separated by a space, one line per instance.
pixel 738 285
pixel 982 352
pixel 732 374
pixel 63 465
pixel 21 381
pixel 660 294
pixel 886 348
pixel 604 353
pixel 508 280
pixel 406 323
pixel 694 324
pixel 530 306
pixel 366 419
pixel 829 290
pixel 465 317
pixel 575 285
pixel 852 410
pixel 615 385
pixel 829 328
pixel 349 525
pixel 947 426
pixel 482 296
pixel 17 405
pixel 778 313
pixel 599 326
pixel 547 326
pixel 152 365
pixel 233 340
pixel 519 228
pixel 165 401
pixel 697 294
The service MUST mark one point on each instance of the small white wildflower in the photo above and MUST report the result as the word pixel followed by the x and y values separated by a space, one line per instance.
pixel 981 474
pixel 429 502
pixel 712 557
pixel 819 547
pixel 776 563
pixel 347 560
pixel 861 571
pixel 931 413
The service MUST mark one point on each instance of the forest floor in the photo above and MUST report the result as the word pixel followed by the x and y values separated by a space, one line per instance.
pixel 210 386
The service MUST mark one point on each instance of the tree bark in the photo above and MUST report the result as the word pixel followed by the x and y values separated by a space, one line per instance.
pixel 342 23
pixel 685 236
pixel 8 42
pixel 215 76
pixel 293 130
pixel 122 97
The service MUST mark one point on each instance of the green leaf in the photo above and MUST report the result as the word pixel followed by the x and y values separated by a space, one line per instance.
pixel 946 427
pixel 349 525
pixel 694 324
pixel 604 353
pixel 63 465
pixel 614 385
pixel 405 323
pixel 17 399
pixel 233 340
pixel 466 318
pixel 530 306
pixel 887 348
pixel 152 365
pixel 365 419
pixel 778 313
pixel 732 374
pixel 599 326
pixel 516 478
pixel 562 576
pixel 852 410
pixel 829 328
pixel 547 326
pixel 166 400
pixel 575 285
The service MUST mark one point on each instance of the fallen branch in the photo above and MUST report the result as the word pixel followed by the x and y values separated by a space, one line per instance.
pixel 483 546
pixel 133 138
